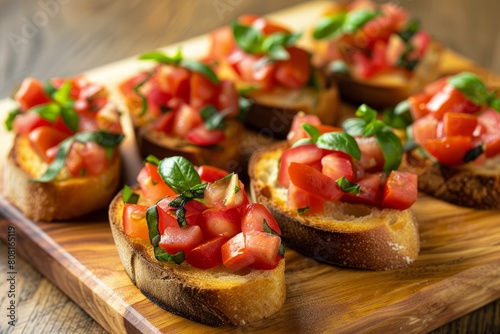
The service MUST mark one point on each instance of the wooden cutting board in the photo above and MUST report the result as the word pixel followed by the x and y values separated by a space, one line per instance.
pixel 458 269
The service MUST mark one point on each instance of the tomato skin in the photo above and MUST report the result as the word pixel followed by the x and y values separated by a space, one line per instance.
pixel 370 191
pixel 418 105
pixel 26 122
pixel 294 72
pixel 314 181
pixel 177 239
pixel 134 221
pixel 186 118
pixel 30 94
pixel 151 184
pixel 297 197
pixel 450 150
pixel 221 43
pixel 264 248
pixel 202 136
pixel 305 154
pixel 450 99
pixel 253 217
pixel 207 254
pixel 216 222
pixel 400 190
pixel 459 124
pixel 235 254
pixel 45 137
pixel 210 173
pixel 338 164
pixel 296 130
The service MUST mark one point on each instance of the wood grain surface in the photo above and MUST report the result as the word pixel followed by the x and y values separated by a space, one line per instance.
pixel 456 273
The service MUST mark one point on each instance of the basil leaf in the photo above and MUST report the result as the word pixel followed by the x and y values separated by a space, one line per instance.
pixel 392 149
pixel 357 19
pixel 212 118
pixel 144 100
pixel 248 38
pixel 311 131
pixel 340 141
pixel 70 118
pixel 163 58
pixel 102 138
pixel 129 196
pixel 329 27
pixel 495 103
pixel 278 53
pixel 409 31
pixel 281 250
pixel 367 113
pixel 204 69
pixel 62 94
pixel 152 160
pixel 354 126
pixel 48 88
pixel 399 117
pixel 10 118
pixel 178 173
pixel 244 104
pixel 303 141
pixel 49 111
pixel 471 86
pixel 302 211
pixel 373 127
pixel 268 229
pixel 347 186
pixel 274 45
pixel 155 237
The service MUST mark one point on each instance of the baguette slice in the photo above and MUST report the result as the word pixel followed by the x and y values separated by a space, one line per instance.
pixel 469 185
pixel 351 235
pixel 213 297
pixel 64 198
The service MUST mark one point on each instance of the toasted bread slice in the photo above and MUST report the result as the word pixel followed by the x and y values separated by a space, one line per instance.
pixel 388 89
pixel 214 297
pixel 274 111
pixel 470 185
pixel 64 198
pixel 352 235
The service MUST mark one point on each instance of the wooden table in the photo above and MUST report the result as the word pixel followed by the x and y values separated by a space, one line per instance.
pixel 69 38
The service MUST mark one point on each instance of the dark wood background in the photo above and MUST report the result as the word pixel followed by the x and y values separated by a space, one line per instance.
pixel 65 37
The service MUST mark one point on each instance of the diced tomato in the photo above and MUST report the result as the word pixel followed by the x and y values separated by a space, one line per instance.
pixel 264 248
pixel 235 254
pixel 369 193
pixel 177 239
pixel 420 42
pixel 395 48
pixel 86 123
pixel 400 190
pixel 166 215
pixel 24 123
pixel 267 27
pixel 74 162
pixel 450 150
pixel 434 87
pixel 323 128
pixel 30 93
pixel 313 181
pixel 297 131
pixel 372 158
pixel 207 254
pixel 297 197
pixel 94 158
pixel 217 222
pixel 459 124
pixel 210 173
pixel 247 19
pixel 449 99
pixel 203 91
pixel 225 194
pixel 76 84
pixel 127 87
pixel 251 71
pixel 379 61
pixel 186 118
pixel 362 66
pixel 151 184
pixel 221 43
pixel 338 164
pixel 134 221
pixel 315 204
pixel 295 71
pixel 490 120
pixel 228 98
pixel 492 142
pixel 165 122
pixel 156 98
pixel 202 136
pixel 418 105
pixel 424 129
pixel 108 119
pixel 178 79
pixel 304 154
pixel 60 125
pixel 253 219
pixel 45 137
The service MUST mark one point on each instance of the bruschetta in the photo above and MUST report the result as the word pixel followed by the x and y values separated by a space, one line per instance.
pixel 65 161
pixel 338 197
pixel 263 59
pixel 376 52
pixel 190 241
pixel 454 141
pixel 181 107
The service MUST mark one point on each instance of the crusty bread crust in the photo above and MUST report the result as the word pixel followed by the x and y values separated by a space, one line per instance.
pixel 275 110
pixel 64 198
pixel 214 297
pixel 470 185
pixel 384 92
pixel 351 235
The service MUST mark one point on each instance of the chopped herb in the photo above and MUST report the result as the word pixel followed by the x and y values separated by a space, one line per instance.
pixel 144 100
pixel 129 196
pixel 10 118
pixel 302 211
pixel 339 141
pixel 152 160
pixel 343 23
pixel 347 186
pixel 178 173
pixel 155 237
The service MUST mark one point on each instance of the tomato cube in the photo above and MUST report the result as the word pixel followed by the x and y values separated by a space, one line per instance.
pixel 217 222
pixel 253 217
pixel 449 150
pixel 369 193
pixel 459 124
pixel 134 221
pixel 210 173
pixel 151 184
pixel 225 194
pixel 400 190
pixel 30 94
pixel 296 130
pixel 264 249
pixel 45 137
pixel 235 254
pixel 176 239
pixel 304 154
pixel 207 254
pixel 338 164
pixel 314 181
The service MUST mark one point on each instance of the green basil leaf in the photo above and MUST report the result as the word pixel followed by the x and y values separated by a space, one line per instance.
pixel 357 19
pixel 303 141
pixel 302 211
pixel 244 104
pixel 367 113
pixel 10 118
pixel 409 31
pixel 274 45
pixel 471 86
pixel 204 69
pixel 70 118
pixel 248 38
pixel 247 89
pixel 373 127
pixel 129 196
pixel 49 111
pixel 163 58
pixel 338 66
pixel 144 100
pixel 329 27
pixel 152 160
pixel 281 250
pixel 313 81
pixel 48 88
pixel 354 126
pixel 102 138
pixel 213 118
pixel 155 237
pixel 398 117
pixel 268 229
pixel 392 149
pixel 278 53
pixel 178 173
pixel 495 103
pixel 347 186
pixel 62 94
pixel 339 141
pixel 311 131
